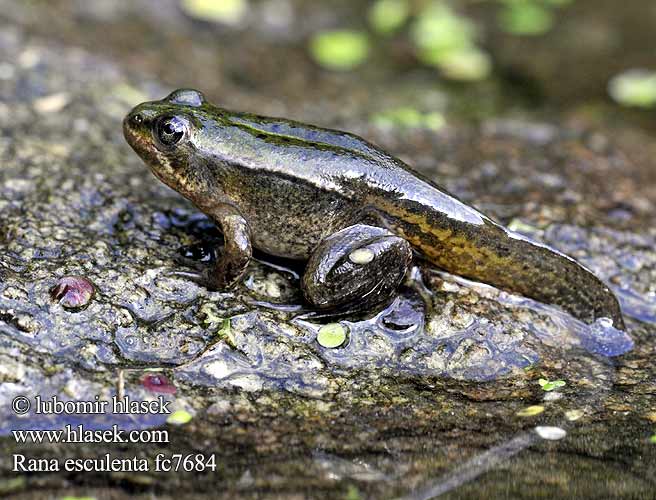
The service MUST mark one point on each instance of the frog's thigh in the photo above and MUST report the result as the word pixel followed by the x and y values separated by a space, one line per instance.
pixel 360 265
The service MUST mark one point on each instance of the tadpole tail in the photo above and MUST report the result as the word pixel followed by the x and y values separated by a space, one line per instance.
pixel 492 254
pixel 512 262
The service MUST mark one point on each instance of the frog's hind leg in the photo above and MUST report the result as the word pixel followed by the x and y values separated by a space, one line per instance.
pixel 356 269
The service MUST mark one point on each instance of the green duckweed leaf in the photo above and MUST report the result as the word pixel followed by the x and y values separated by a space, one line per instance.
pixel 340 50
pixel 331 335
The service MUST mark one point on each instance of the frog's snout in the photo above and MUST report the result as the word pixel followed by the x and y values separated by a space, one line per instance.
pixel 136 129
pixel 131 123
pixel 134 119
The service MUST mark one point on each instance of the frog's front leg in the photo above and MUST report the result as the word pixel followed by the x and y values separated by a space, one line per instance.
pixel 356 268
pixel 231 263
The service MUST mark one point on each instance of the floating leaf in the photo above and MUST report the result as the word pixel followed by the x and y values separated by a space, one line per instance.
pixel 467 65
pixel 340 50
pixel 530 411
pixel 408 117
pixel 550 385
pixel 230 12
pixel 439 30
pixel 635 87
pixel 652 439
pixel 352 493
pixel 331 335
pixel 525 18
pixel 387 16
pixel 179 417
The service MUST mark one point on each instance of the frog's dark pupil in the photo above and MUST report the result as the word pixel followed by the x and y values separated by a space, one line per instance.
pixel 170 130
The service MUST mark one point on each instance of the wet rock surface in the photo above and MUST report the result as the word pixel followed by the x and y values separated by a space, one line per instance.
pixel 422 396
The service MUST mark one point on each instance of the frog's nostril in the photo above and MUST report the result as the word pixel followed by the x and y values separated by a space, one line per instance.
pixel 136 119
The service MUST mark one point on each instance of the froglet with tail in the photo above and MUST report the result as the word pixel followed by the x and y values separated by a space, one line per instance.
pixel 352 211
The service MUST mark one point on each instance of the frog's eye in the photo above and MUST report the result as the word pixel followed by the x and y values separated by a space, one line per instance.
pixel 170 130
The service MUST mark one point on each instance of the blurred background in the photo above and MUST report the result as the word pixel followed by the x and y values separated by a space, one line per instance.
pixel 408 63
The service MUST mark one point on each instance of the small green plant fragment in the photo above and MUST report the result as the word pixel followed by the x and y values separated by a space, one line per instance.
pixel 352 493
pixel 179 417
pixel 440 30
pixel 550 385
pixel 466 65
pixel 409 118
pixel 446 40
pixel 388 16
pixel 652 439
pixel 518 226
pixel 331 335
pixel 229 12
pixel 210 314
pixel 340 50
pixel 225 333
pixel 530 411
pixel 634 88
pixel 525 18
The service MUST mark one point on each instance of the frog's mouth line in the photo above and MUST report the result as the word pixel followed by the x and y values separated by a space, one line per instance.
pixel 145 149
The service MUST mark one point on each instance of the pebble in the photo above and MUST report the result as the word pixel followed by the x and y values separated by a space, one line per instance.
pixel 51 103
pixel 73 292
pixel 158 383
pixel 550 433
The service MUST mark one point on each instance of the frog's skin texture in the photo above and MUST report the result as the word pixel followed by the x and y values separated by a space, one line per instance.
pixel 351 210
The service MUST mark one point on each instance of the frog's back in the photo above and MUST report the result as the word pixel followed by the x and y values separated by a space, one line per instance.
pixel 448 232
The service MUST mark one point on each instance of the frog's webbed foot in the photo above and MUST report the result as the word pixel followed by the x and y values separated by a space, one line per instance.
pixel 356 269
pixel 205 278
pixel 229 266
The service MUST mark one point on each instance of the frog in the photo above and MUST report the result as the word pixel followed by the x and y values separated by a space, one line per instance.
pixel 354 214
